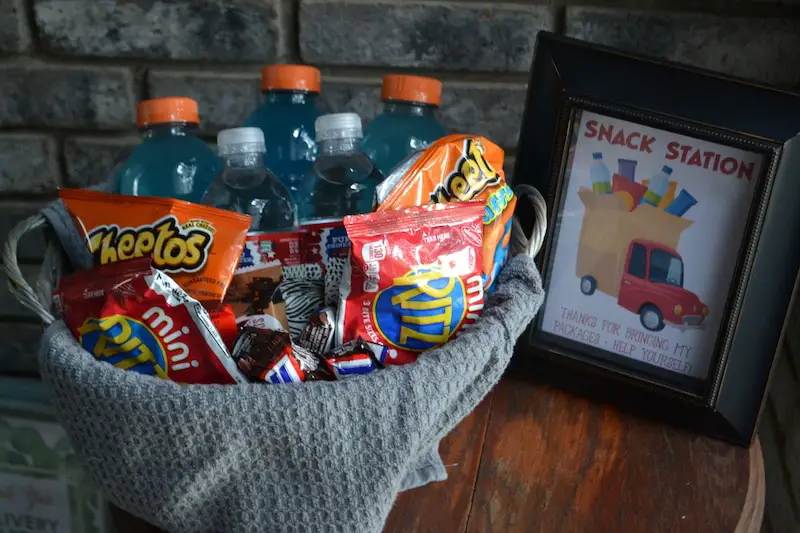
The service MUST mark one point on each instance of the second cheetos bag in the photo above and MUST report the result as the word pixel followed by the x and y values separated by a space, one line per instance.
pixel 458 168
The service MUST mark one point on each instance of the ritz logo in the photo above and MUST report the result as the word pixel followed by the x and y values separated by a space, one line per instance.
pixel 173 248
pixel 425 307
pixel 471 175
pixel 152 347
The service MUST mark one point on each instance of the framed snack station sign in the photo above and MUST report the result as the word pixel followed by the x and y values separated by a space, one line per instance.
pixel 675 217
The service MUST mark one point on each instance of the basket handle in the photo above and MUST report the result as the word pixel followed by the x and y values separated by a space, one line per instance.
pixel 19 288
pixel 533 244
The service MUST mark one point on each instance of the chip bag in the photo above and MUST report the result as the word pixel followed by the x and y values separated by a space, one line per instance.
pixel 413 280
pixel 136 318
pixel 198 246
pixel 459 168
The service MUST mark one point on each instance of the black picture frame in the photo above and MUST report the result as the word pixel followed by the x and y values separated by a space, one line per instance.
pixel 569 76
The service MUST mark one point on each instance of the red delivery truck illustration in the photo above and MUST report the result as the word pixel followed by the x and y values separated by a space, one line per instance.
pixel 631 255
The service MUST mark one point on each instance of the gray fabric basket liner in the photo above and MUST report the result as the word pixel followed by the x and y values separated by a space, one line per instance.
pixel 321 456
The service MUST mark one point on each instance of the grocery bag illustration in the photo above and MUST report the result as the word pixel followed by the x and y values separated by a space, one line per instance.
pixel 632 256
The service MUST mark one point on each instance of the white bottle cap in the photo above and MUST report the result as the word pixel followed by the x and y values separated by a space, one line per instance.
pixel 338 126
pixel 240 141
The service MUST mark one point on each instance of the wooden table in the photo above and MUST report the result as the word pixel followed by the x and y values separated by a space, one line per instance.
pixel 534 459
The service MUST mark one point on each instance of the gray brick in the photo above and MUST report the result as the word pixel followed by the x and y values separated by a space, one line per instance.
pixel 225 100
pixel 780 508
pixel 90 160
pixel 20 347
pixel 491 110
pixel 31 247
pixel 9 305
pixel 355 96
pixel 58 96
pixel 234 30
pixel 766 50
pixel 494 111
pixel 28 163
pixel 14 33
pixel 452 36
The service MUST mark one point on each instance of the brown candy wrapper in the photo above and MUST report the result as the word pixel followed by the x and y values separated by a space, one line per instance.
pixel 318 335
pixel 266 355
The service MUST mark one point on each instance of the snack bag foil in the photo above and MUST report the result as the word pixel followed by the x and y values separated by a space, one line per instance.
pixel 198 246
pixel 329 246
pixel 255 286
pixel 413 280
pixel 136 318
pixel 459 168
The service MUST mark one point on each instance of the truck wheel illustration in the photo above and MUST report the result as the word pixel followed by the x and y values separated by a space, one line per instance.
pixel 588 285
pixel 651 318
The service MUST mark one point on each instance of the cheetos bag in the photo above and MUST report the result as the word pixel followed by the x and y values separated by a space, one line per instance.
pixel 458 168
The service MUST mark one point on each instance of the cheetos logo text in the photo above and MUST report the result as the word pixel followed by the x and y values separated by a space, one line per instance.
pixel 173 248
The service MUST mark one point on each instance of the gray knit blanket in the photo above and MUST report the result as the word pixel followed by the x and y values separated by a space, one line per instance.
pixel 319 456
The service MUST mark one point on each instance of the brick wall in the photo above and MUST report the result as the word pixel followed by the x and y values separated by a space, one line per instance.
pixel 71 72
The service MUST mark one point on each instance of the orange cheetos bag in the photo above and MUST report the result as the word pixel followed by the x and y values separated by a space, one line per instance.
pixel 458 168
pixel 198 246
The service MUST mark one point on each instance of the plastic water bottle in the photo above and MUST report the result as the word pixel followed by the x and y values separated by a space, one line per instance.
pixel 343 179
pixel 170 161
pixel 291 105
pixel 657 187
pixel 246 186
pixel 599 174
pixel 407 123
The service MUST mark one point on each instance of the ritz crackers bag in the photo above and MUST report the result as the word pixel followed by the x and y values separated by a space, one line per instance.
pixel 198 246
pixel 462 168
pixel 414 278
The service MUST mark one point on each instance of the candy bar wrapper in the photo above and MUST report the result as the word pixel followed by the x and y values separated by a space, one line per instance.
pixel 137 318
pixel 318 335
pixel 265 355
pixel 351 359
pixel 255 286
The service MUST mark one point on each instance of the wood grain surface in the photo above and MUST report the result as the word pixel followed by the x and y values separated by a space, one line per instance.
pixel 535 459
pixel 556 463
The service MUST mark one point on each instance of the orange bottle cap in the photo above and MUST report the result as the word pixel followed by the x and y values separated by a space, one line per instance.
pixel 165 110
pixel 412 89
pixel 290 78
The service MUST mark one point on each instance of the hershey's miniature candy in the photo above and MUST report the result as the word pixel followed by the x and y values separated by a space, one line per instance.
pixel 307 359
pixel 320 374
pixel 351 358
pixel 318 335
pixel 266 355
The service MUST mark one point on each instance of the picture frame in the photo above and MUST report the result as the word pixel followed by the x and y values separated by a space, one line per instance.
pixel 671 195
